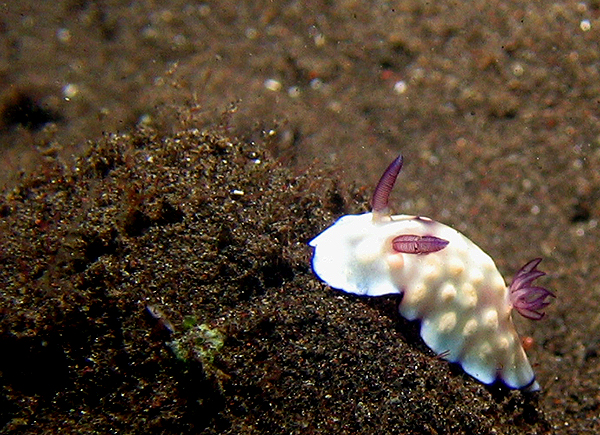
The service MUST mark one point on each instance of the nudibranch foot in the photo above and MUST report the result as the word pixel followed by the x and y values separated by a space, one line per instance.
pixel 451 285
pixel 525 298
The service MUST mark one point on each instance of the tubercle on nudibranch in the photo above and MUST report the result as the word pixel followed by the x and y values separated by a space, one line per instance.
pixel 525 298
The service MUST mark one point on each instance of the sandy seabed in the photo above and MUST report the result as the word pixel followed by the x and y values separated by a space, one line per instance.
pixel 165 164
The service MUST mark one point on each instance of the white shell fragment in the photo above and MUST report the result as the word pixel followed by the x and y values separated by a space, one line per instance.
pixel 457 292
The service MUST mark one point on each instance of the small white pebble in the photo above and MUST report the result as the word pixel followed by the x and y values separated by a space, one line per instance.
pixel 273 85
pixel 585 25
pixel 70 90
pixel 294 91
pixel 63 35
pixel 316 83
pixel 251 33
pixel 400 87
pixel 319 39
pixel 204 10
pixel 179 40
pixel 335 106
pixel 145 119
pixel 518 70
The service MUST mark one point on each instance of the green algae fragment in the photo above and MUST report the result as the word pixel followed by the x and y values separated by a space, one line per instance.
pixel 200 342
pixel 208 343
pixel 189 322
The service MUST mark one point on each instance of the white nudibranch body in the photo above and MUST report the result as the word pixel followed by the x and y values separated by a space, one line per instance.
pixel 454 287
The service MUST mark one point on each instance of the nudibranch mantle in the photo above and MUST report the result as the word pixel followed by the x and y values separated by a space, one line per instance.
pixel 454 288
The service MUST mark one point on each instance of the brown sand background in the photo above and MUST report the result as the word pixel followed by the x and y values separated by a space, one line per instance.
pixel 495 106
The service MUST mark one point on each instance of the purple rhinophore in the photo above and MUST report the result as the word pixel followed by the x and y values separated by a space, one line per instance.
pixel 525 298
pixel 385 185
pixel 413 244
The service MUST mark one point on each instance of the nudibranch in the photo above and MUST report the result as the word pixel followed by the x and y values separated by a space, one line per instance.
pixel 446 281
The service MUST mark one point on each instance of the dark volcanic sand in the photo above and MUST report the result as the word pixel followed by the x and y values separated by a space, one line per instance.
pixel 493 104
